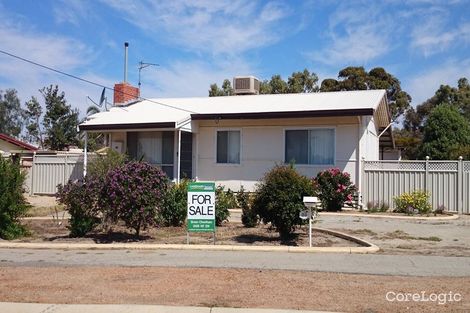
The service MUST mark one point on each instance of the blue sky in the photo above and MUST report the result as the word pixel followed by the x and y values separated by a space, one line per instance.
pixel 424 43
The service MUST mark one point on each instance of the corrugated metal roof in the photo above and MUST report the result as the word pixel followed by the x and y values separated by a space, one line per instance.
pixel 174 110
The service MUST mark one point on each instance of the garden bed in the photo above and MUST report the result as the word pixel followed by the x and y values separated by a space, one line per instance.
pixel 229 234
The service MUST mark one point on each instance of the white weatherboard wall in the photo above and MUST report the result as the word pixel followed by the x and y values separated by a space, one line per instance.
pixel 262 146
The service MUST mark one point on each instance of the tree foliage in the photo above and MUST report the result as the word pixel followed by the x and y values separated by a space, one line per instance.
pixel 410 137
pixel 357 78
pixel 457 96
pixel 298 82
pixel 11 113
pixel 444 131
pixel 34 131
pixel 226 89
pixel 60 120
pixel 409 142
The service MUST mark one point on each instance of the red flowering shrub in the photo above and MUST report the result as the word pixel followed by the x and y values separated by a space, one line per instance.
pixel 333 188
pixel 134 193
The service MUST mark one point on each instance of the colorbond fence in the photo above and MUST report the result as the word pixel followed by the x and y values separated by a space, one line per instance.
pixel 47 171
pixel 448 182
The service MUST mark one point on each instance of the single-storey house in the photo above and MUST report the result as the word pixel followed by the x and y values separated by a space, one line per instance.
pixel 10 145
pixel 234 140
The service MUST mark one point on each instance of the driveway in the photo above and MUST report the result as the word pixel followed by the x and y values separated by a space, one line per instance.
pixel 398 236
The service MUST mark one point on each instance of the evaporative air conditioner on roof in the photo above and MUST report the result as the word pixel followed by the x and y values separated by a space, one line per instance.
pixel 246 85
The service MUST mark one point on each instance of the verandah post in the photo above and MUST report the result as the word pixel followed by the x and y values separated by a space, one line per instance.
pixel 85 157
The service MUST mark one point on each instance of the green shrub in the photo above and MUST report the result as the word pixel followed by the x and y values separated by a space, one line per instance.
pixel 81 202
pixel 134 193
pixel 333 188
pixel 249 216
pixel 224 200
pixel 416 202
pixel 279 198
pixel 13 204
pixel 99 166
pixel 175 205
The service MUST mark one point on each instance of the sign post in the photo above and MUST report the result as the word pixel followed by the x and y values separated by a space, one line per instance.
pixel 201 208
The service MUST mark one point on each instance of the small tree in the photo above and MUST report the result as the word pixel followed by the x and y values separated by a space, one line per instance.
pixel 11 114
pixel 134 193
pixel 13 205
pixel 279 198
pixel 60 120
pixel 445 131
pixel 34 131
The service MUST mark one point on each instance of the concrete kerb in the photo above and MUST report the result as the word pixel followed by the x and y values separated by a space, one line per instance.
pixel 366 247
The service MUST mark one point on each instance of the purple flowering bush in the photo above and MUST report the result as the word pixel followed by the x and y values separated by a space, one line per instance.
pixel 80 198
pixel 134 193
pixel 333 188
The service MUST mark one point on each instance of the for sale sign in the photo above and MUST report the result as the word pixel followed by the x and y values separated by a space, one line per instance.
pixel 201 207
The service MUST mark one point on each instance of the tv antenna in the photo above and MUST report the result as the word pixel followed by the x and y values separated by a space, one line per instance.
pixel 143 65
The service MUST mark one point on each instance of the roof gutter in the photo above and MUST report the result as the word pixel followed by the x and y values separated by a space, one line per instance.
pixel 283 114
pixel 127 126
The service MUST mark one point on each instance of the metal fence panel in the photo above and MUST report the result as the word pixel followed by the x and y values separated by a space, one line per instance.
pixel 466 187
pixel 48 171
pixel 448 182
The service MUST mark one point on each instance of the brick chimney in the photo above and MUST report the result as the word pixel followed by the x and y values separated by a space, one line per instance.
pixel 125 93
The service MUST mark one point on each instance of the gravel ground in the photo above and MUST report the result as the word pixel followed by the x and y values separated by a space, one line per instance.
pixel 397 236
pixel 227 287
pixel 41 201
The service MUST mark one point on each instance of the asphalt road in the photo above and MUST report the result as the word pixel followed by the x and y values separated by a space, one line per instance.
pixel 407 265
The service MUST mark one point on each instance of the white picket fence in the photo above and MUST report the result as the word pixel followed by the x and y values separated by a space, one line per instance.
pixel 448 182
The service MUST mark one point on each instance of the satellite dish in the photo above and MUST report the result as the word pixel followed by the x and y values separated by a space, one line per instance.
pixel 102 98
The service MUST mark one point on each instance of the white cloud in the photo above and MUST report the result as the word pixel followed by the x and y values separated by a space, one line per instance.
pixel 433 36
pixel 355 35
pixel 72 11
pixel 58 52
pixel 423 85
pixel 216 27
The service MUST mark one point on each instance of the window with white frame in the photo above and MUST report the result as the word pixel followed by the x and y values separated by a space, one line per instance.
pixel 310 146
pixel 228 146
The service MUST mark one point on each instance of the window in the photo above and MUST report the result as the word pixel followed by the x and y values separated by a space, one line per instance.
pixel 228 147
pixel 153 147
pixel 313 146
